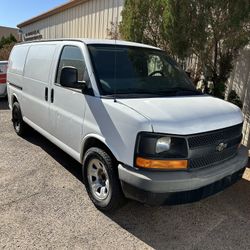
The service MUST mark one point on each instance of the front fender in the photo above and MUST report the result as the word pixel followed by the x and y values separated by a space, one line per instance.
pixel 99 138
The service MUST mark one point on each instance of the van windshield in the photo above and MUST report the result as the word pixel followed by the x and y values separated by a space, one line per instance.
pixel 127 71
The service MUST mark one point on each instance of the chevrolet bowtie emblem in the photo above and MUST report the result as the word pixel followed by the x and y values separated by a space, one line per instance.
pixel 221 147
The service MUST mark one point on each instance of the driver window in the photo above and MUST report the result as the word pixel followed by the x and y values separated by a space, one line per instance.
pixel 72 56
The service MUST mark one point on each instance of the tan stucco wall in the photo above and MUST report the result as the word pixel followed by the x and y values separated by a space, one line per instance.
pixel 6 31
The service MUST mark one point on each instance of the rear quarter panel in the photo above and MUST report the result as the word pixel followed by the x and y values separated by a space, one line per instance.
pixel 15 72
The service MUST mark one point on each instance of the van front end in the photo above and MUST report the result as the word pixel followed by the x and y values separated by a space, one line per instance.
pixel 180 169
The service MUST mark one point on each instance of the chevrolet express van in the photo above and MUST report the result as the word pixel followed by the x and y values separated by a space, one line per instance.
pixel 130 115
pixel 3 71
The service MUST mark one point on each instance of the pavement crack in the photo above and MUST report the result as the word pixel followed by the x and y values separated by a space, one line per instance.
pixel 19 200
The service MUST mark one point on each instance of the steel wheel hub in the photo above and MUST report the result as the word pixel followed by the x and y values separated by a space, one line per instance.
pixel 98 179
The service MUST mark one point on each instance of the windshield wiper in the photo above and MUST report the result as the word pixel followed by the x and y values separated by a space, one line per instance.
pixel 159 93
pixel 139 91
pixel 168 92
pixel 181 91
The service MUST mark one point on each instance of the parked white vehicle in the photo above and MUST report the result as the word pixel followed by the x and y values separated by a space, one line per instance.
pixel 130 115
pixel 3 71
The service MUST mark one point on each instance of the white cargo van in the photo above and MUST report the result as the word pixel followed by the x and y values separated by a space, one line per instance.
pixel 3 71
pixel 130 115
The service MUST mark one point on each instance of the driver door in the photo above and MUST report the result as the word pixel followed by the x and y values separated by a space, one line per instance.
pixel 68 104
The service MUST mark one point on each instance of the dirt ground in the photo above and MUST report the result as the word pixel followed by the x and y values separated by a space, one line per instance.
pixel 43 204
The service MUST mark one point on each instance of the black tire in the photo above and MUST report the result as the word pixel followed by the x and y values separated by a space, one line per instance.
pixel 115 197
pixel 19 125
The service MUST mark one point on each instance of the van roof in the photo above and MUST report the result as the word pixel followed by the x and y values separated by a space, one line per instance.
pixel 95 41
pixel 116 42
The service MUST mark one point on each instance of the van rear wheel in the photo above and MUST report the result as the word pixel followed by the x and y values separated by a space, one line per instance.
pixel 17 119
pixel 101 180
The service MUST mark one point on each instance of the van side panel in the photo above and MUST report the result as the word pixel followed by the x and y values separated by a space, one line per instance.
pixel 39 62
pixel 15 72
pixel 36 84
pixel 17 59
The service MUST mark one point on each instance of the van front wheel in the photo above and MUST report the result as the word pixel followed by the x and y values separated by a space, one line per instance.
pixel 101 180
pixel 17 119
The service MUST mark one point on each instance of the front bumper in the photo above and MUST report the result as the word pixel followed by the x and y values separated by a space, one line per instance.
pixel 155 187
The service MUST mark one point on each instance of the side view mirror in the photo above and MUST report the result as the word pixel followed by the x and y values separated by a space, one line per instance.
pixel 69 78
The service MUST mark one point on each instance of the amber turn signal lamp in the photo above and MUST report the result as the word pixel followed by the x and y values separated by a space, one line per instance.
pixel 161 164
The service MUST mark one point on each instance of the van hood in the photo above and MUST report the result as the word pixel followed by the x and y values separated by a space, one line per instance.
pixel 186 115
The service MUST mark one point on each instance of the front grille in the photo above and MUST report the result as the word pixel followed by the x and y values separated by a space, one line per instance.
pixel 212 159
pixel 215 136
pixel 203 147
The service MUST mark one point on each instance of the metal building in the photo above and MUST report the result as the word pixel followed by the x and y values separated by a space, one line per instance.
pixel 75 19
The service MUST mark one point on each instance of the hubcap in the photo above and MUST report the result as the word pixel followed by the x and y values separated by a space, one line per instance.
pixel 98 179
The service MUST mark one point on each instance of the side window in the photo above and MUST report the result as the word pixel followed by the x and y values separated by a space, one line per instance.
pixel 72 56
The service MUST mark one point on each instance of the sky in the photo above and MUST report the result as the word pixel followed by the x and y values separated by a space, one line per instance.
pixel 13 12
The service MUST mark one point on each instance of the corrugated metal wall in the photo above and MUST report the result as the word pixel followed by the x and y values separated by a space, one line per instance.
pixel 91 19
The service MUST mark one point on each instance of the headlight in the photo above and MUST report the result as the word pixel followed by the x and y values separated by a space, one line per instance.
pixel 160 146
pixel 163 144
pixel 161 151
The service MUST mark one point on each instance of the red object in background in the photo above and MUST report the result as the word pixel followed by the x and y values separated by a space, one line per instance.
pixel 3 70
pixel 3 78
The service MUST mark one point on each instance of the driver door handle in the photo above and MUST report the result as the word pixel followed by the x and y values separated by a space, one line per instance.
pixel 52 95
pixel 46 94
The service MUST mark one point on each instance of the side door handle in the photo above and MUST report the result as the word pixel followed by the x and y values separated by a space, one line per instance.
pixel 46 94
pixel 52 95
